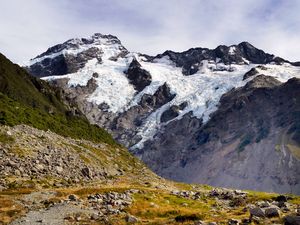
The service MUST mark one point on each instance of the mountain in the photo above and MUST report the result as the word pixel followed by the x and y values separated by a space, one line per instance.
pixel 203 115
pixel 56 168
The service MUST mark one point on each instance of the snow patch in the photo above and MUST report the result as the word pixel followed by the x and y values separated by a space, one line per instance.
pixel 231 50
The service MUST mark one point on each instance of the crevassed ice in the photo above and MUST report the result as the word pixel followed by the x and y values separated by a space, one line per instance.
pixel 202 91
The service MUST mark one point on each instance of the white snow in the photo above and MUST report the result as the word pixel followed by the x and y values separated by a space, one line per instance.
pixel 202 91
pixel 108 48
pixel 281 72
pixel 231 50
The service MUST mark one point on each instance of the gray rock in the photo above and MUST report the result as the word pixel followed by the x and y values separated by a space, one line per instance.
pixel 59 169
pixel 131 219
pixel 86 172
pixel 292 220
pixel 73 197
pixel 233 222
pixel 272 212
pixel 257 212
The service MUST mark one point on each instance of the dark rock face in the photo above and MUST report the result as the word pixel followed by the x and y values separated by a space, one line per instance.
pixel 253 127
pixel 137 76
pixel 172 112
pixel 64 64
pixel 250 73
pixel 55 62
pixel 239 54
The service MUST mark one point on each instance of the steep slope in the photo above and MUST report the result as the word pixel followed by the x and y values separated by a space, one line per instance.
pixel 25 99
pixel 138 98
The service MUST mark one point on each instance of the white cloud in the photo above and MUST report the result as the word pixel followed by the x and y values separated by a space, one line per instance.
pixel 29 27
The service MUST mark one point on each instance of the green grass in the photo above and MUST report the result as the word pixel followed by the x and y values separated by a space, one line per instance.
pixel 6 139
pixel 14 113
pixel 25 99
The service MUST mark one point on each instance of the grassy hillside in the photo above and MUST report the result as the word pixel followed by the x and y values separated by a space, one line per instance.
pixel 25 99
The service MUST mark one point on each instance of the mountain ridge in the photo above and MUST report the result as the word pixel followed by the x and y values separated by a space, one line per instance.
pixel 137 97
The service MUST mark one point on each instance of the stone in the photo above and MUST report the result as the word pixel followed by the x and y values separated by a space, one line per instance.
pixel 39 166
pixel 281 198
pixel 131 219
pixel 94 216
pixel 291 220
pixel 246 221
pixel 272 212
pixel 17 172
pixel 86 172
pixel 257 212
pixel 263 204
pixel 233 222
pixel 59 169
pixel 198 222
pixel 72 197
pixel 256 219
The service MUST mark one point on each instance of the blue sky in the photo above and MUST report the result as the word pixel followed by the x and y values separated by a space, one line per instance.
pixel 29 27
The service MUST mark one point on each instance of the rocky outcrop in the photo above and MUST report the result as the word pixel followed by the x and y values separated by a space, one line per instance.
pixel 64 63
pixel 137 76
pixel 72 55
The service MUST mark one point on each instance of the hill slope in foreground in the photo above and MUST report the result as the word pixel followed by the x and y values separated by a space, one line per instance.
pixel 55 168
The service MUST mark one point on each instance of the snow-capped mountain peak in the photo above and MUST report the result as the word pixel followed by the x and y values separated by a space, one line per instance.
pixel 192 81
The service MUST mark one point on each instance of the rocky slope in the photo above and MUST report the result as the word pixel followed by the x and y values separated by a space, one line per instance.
pixel 46 178
pixel 164 107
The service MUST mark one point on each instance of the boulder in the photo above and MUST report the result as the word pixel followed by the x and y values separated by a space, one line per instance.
pixel 292 220
pixel 257 212
pixel 131 219
pixel 272 212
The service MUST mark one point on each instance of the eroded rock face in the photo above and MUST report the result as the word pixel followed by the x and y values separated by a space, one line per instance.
pixel 253 127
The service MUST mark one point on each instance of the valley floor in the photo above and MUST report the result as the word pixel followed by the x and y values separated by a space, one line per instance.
pixel 49 179
pixel 119 202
